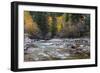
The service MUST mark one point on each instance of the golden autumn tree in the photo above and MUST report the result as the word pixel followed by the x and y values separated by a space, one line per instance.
pixel 59 23
pixel 29 25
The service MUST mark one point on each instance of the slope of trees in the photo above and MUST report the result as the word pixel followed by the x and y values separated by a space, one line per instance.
pixel 57 25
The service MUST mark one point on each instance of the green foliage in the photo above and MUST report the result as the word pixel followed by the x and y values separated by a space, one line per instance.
pixel 76 17
pixel 53 28
pixel 87 22
pixel 66 17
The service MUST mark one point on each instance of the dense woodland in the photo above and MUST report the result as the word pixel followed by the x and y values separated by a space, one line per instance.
pixel 47 25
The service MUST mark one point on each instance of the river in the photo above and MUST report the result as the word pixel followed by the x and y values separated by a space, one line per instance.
pixel 56 49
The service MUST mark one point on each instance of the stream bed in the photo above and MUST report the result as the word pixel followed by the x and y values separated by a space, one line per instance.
pixel 56 49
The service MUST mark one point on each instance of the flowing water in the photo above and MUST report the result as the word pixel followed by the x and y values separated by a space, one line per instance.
pixel 56 49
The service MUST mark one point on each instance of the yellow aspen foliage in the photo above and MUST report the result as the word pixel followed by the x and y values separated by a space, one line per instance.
pixel 29 25
pixel 59 23
pixel 49 20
